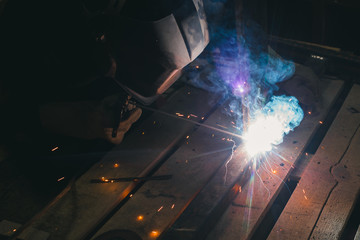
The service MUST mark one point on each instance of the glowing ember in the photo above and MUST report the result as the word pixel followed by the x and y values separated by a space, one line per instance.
pixel 60 179
pixel 268 127
pixel 140 217
pixel 54 149
pixel 154 234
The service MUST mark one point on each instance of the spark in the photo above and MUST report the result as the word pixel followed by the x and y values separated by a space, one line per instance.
pixel 140 217
pixel 317 57
pixel 54 149
pixel 262 182
pixel 116 165
pixel 154 234
pixel 160 208
pixel 60 179
pixel 230 158
pixel 221 126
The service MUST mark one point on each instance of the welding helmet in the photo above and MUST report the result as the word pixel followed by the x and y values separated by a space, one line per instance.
pixel 151 41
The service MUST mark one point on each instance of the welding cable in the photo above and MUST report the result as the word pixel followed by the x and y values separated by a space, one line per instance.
pixel 188 120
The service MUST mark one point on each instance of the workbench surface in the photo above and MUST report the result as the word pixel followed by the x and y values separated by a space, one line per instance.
pixel 210 189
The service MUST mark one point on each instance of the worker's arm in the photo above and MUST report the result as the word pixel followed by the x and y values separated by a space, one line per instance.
pixel 86 120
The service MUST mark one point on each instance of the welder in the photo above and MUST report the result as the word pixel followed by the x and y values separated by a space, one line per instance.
pixel 71 66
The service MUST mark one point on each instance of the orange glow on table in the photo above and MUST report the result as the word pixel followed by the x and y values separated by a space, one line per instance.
pixel 154 234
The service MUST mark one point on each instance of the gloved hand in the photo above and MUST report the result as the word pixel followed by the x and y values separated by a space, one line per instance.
pixel 124 126
pixel 86 120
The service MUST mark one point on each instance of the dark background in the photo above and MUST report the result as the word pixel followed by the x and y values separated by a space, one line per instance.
pixel 332 23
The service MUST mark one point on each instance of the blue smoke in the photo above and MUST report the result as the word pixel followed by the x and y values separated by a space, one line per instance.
pixel 269 125
pixel 286 109
pixel 244 67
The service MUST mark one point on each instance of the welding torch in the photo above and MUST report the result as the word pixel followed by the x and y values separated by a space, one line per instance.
pixel 121 112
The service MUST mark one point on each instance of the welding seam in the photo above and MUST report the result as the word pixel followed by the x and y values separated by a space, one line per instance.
pixel 337 182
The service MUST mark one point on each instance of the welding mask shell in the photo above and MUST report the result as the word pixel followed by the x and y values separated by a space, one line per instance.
pixel 151 44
